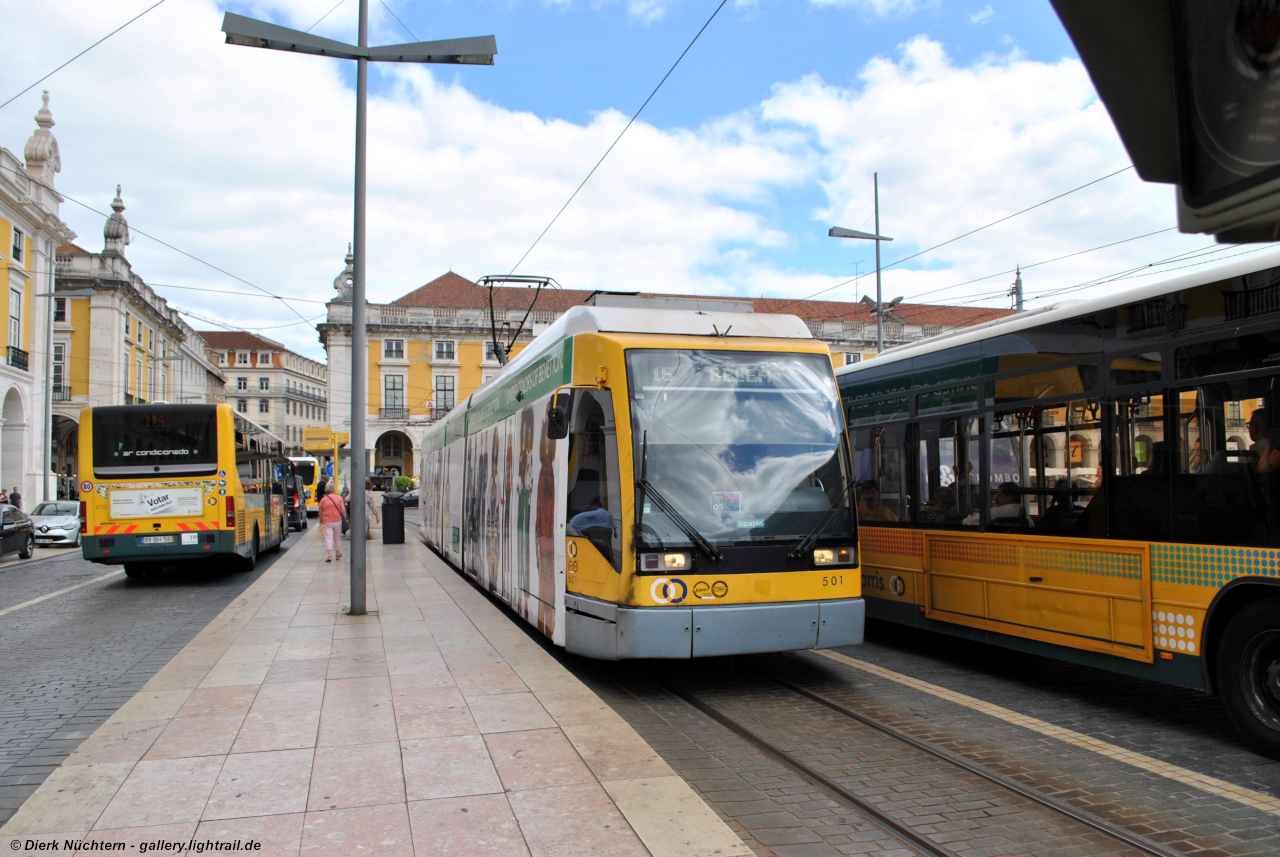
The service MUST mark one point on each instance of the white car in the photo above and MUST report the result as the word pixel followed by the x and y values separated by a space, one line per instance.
pixel 57 523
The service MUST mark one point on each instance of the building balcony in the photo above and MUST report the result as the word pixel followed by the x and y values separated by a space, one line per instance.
pixel 440 413
pixel 393 413
pixel 18 359
pixel 61 393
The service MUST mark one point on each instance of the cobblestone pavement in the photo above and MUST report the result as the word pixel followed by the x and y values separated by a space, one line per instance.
pixel 67 663
pixel 777 813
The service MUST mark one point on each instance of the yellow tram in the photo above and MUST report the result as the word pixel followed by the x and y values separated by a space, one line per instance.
pixel 164 484
pixel 656 483
pixel 1097 482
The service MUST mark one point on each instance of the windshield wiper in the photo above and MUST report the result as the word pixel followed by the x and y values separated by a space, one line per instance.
pixel 807 543
pixel 647 491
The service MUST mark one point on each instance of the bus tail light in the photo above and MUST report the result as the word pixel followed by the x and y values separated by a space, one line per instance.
pixel 231 513
pixel 84 517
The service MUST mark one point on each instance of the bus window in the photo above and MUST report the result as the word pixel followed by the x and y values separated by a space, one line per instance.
pixel 1139 489
pixel 1048 462
pixel 878 459
pixel 948 471
pixel 1227 480
pixel 159 439
pixel 1136 369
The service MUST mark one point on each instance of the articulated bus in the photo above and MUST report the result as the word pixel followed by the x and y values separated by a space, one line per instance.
pixel 641 483
pixel 1097 482
pixel 164 484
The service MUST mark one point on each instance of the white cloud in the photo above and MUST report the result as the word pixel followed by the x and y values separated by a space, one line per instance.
pixel 646 11
pixel 243 157
pixel 881 8
pixel 959 147
pixel 983 15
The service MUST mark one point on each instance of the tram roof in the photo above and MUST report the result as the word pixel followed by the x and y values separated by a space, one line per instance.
pixel 1064 310
pixel 657 322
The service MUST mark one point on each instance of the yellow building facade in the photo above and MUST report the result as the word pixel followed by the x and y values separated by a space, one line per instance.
pixel 30 232
pixel 116 342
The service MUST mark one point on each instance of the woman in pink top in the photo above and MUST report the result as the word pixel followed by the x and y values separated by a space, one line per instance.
pixel 332 513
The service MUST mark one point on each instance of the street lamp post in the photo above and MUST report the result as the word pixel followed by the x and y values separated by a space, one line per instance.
pixel 839 232
pixel 478 50
pixel 53 294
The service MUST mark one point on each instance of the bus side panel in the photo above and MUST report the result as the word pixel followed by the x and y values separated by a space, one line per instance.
pixel 510 502
pixel 539 494
pixel 428 488
pixel 451 496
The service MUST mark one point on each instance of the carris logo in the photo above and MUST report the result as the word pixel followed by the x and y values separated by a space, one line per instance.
pixel 668 590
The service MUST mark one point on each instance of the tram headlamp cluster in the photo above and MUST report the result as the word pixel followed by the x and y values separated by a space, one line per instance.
pixel 666 562
pixel 835 556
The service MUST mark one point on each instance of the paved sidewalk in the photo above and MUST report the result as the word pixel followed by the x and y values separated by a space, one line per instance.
pixel 433 726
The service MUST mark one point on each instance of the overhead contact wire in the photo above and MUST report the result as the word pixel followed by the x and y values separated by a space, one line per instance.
pixel 619 137
pixel 82 53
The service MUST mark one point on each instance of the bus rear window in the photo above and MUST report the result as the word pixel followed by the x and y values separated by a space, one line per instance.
pixel 158 439
pixel 305 469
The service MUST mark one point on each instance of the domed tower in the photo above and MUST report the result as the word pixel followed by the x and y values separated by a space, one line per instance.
pixel 116 229
pixel 346 280
pixel 41 153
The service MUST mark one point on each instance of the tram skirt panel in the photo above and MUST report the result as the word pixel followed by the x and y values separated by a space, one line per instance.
pixel 598 629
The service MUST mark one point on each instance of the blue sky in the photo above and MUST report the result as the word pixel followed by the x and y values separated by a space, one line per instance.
pixel 570 60
pixel 767 133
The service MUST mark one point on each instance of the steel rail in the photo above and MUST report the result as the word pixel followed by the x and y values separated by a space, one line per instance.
pixel 1100 825
pixel 877 817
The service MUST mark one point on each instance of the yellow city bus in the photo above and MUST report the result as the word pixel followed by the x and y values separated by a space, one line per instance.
pixel 311 472
pixel 1097 482
pixel 647 483
pixel 164 484
pixel 321 446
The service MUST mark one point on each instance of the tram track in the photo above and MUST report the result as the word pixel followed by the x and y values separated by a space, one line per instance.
pixel 878 817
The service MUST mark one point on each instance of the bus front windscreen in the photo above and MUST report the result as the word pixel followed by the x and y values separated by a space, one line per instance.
pixel 142 440
pixel 306 470
pixel 746 446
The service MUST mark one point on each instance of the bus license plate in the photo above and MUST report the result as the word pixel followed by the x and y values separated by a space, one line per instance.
pixel 157 540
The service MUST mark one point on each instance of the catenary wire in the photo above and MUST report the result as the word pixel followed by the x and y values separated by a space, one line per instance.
pixel 989 295
pixel 82 53
pixel 1127 274
pixel 325 15
pixel 965 235
pixel 223 292
pixel 192 256
pixel 630 122
pixel 398 21
pixel 1045 262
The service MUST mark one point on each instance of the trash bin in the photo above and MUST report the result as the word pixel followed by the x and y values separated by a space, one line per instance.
pixel 392 519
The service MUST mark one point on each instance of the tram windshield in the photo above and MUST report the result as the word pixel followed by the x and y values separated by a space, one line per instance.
pixel 746 446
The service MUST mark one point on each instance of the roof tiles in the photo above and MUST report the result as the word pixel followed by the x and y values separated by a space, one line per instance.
pixel 453 290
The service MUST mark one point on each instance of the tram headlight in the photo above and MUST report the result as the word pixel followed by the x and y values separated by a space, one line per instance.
pixel 666 562
pixel 835 556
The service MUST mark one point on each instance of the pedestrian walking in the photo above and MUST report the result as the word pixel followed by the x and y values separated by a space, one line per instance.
pixel 332 514
pixel 372 515
pixel 15 499
pixel 346 504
